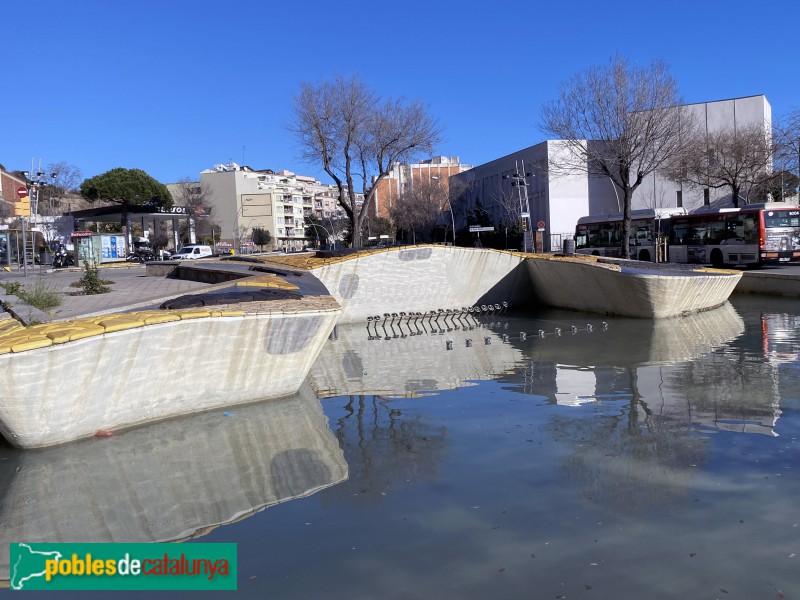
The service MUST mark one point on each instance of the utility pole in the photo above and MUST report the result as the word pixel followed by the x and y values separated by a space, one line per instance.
pixel 518 180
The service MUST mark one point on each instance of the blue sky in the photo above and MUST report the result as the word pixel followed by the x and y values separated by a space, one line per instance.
pixel 174 87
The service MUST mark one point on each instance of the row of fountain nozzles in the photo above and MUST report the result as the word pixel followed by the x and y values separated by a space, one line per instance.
pixel 489 309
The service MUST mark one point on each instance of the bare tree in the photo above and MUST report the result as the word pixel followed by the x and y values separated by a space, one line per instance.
pixel 419 206
pixel 739 159
pixel 786 136
pixel 197 197
pixel 62 178
pixel 617 121
pixel 358 137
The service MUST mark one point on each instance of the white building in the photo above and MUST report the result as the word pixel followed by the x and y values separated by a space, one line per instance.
pixel 559 201
pixel 244 199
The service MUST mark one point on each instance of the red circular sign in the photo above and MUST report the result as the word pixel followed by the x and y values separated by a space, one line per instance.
pixel 22 191
pixel 541 224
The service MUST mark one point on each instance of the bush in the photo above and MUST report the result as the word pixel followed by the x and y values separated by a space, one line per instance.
pixel 91 283
pixel 42 295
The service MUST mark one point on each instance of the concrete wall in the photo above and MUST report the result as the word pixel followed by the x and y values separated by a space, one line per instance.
pixel 171 480
pixel 422 279
pixel 581 284
pixel 155 372
pixel 712 117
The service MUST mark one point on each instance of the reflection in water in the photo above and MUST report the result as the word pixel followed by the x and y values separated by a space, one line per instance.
pixel 679 368
pixel 358 362
pixel 171 480
pixel 588 453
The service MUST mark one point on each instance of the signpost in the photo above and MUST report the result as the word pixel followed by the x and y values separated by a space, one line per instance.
pixel 478 228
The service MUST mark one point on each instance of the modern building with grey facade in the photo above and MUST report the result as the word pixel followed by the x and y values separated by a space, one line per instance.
pixel 521 183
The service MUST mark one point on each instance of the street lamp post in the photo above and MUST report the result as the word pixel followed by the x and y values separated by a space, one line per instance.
pixel 328 233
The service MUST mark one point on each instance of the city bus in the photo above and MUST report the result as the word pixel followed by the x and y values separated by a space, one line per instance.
pixel 749 236
pixel 601 235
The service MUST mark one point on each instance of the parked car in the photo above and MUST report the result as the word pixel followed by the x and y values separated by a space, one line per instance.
pixel 192 251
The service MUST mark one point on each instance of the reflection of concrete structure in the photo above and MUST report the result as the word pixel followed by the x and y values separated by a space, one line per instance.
pixel 673 368
pixel 167 367
pixel 409 358
pixel 172 480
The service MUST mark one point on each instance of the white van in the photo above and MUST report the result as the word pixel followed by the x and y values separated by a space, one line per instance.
pixel 192 251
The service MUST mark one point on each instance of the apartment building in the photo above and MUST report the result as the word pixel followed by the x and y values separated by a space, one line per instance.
pixel 388 190
pixel 244 199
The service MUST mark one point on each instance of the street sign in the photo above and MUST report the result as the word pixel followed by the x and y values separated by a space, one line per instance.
pixel 476 228
pixel 22 191
pixel 541 225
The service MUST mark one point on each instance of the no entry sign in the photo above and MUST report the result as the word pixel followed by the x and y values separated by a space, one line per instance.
pixel 22 191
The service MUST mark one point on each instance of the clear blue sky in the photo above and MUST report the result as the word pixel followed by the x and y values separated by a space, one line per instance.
pixel 173 87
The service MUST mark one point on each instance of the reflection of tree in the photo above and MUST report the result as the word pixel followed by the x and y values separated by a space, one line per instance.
pixel 730 390
pixel 383 447
pixel 634 459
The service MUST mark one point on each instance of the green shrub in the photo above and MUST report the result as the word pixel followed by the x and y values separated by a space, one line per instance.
pixel 91 282
pixel 11 287
pixel 42 294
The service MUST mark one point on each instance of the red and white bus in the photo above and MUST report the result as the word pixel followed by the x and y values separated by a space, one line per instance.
pixel 750 235
pixel 601 235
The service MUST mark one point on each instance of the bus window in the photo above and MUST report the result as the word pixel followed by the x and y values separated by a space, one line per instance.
pixel 716 232
pixel 679 234
pixel 581 237
pixel 642 233
pixel 749 231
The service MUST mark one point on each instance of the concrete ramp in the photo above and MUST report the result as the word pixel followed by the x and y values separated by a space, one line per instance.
pixel 628 288
pixel 421 279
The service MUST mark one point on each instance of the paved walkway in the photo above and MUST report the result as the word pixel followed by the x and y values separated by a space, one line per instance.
pixel 131 288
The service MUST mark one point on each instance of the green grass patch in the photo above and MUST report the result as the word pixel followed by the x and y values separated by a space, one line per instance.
pixel 41 294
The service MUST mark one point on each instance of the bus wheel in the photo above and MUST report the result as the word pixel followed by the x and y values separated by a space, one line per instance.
pixel 716 259
pixel 644 255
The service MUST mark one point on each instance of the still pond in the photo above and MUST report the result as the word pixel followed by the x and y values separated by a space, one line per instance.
pixel 620 459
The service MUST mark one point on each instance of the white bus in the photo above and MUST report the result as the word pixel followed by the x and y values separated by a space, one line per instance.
pixel 750 235
pixel 601 235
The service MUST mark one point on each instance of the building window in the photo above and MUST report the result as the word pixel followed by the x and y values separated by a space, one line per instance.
pixel 679 199
pixel 706 196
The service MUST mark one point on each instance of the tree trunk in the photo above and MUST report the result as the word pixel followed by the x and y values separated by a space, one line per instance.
pixel 358 224
pixel 735 195
pixel 626 222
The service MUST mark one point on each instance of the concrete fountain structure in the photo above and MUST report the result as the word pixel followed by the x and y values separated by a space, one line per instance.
pixel 170 481
pixel 64 381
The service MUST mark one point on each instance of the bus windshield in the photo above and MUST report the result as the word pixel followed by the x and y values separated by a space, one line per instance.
pixel 781 218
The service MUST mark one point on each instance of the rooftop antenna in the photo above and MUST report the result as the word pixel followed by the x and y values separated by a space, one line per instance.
pixel 242 154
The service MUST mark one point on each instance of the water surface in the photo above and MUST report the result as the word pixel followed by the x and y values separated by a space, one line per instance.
pixel 636 460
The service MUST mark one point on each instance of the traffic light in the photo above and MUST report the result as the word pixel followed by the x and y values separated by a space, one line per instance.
pixel 22 207
pixel 523 224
